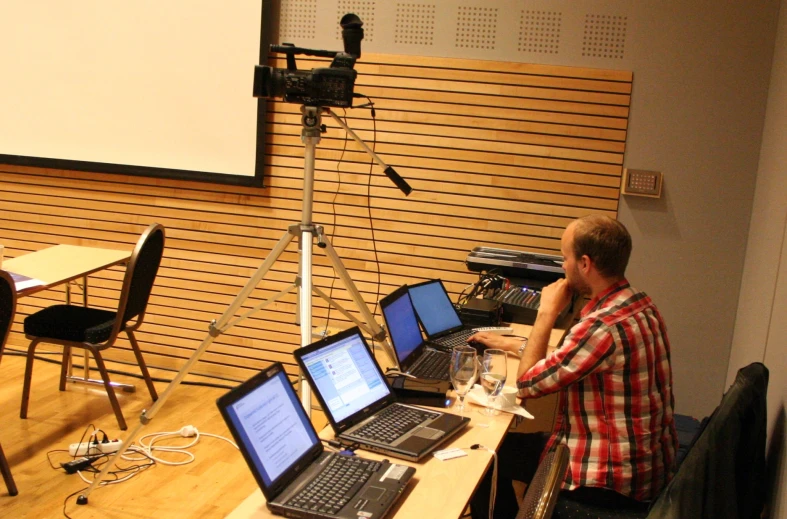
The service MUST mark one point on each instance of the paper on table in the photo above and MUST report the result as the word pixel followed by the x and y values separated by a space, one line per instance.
pixel 22 282
pixel 478 396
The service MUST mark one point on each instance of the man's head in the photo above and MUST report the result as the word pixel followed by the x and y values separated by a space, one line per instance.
pixel 596 251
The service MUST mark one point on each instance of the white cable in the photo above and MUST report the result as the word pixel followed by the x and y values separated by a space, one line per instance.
pixel 493 490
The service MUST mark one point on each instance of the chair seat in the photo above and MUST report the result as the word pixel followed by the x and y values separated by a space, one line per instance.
pixel 71 323
pixel 570 509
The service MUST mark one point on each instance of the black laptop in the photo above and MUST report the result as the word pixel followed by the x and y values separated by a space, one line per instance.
pixel 414 356
pixel 361 406
pixel 441 322
pixel 283 451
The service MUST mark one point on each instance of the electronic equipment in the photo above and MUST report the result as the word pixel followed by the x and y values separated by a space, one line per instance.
pixel 432 393
pixel 285 454
pixel 414 356
pixel 332 86
pixel 360 404
pixel 478 312
pixel 526 274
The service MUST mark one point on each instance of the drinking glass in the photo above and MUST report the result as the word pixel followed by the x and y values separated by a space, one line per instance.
pixel 493 378
pixel 463 371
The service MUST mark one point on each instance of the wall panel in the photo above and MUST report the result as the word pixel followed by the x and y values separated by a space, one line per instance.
pixel 504 160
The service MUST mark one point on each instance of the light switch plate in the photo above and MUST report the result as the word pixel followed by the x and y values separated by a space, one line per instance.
pixel 640 182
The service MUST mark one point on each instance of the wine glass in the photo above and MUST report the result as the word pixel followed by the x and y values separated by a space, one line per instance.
pixel 463 371
pixel 493 378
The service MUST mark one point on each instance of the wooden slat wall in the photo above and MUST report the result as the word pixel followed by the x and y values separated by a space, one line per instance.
pixel 498 154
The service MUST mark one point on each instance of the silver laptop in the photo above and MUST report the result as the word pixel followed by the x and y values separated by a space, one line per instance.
pixel 361 406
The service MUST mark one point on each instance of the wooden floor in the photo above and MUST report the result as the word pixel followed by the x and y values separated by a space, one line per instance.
pixel 211 486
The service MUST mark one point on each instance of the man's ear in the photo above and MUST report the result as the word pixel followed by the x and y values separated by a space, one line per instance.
pixel 585 263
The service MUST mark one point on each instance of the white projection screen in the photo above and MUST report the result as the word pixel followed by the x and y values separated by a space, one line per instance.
pixel 146 87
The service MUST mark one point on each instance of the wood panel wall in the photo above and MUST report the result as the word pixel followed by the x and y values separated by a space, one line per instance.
pixel 498 154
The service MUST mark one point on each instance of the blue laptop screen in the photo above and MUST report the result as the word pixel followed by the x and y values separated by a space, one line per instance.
pixel 273 426
pixel 434 307
pixel 346 376
pixel 403 326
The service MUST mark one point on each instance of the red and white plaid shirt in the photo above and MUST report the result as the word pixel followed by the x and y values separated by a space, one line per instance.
pixel 615 410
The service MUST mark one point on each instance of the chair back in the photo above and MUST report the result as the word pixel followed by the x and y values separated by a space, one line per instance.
pixel 7 307
pixel 723 475
pixel 544 488
pixel 140 275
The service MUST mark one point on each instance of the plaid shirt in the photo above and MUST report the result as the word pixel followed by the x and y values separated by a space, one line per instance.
pixel 615 410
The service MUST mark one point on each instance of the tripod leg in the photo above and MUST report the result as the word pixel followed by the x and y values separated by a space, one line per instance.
pixel 376 331
pixel 216 329
pixel 305 308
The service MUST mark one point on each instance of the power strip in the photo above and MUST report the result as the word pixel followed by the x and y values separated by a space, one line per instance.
pixel 91 448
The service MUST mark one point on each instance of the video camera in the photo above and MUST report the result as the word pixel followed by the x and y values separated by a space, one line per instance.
pixel 331 86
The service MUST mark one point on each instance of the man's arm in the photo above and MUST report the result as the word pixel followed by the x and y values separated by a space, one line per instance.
pixel 554 298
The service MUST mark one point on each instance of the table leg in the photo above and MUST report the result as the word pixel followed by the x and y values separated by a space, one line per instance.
pixel 85 378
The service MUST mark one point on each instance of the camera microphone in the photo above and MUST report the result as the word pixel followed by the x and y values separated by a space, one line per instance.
pixel 352 34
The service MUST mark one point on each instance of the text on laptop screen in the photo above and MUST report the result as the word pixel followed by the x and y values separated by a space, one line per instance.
pixel 403 326
pixel 273 426
pixel 345 376
pixel 434 308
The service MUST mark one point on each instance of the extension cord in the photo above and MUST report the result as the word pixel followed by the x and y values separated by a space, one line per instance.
pixel 91 448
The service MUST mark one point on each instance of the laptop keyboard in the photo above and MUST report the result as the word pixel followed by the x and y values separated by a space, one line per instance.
pixel 335 485
pixel 455 339
pixel 432 364
pixel 392 422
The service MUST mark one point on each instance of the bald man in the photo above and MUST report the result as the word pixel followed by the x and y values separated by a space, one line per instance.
pixel 613 378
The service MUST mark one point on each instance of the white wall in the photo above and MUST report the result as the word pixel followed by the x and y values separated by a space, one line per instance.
pixel 761 327
pixel 701 75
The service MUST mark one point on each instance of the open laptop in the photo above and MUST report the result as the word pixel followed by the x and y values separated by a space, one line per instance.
pixel 441 322
pixel 286 456
pixel 414 356
pixel 361 406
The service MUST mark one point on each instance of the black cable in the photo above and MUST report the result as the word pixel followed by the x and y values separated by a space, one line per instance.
pixel 369 202
pixel 333 225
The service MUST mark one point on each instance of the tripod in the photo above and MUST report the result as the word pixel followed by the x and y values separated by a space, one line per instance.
pixel 306 231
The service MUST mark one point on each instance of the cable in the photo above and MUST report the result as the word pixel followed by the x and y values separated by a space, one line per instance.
pixel 369 199
pixel 188 431
pixel 493 490
pixel 333 225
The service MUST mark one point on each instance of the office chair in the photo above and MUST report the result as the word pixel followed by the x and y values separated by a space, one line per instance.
pixel 95 329
pixel 7 311
pixel 544 488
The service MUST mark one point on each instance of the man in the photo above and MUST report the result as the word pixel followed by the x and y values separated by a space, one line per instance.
pixel 613 375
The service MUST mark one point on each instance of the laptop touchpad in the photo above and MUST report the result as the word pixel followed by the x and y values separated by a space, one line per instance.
pixel 428 433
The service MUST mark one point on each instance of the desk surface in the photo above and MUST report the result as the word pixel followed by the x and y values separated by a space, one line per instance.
pixel 438 488
pixel 63 263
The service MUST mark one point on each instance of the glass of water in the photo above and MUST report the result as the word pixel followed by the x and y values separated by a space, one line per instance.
pixel 493 378
pixel 463 371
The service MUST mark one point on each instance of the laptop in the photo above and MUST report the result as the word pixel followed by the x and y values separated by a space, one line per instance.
pixel 360 404
pixel 413 355
pixel 441 322
pixel 288 461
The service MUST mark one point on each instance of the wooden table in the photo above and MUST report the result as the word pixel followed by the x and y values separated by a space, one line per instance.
pixel 60 264
pixel 63 264
pixel 443 489
pixel 440 489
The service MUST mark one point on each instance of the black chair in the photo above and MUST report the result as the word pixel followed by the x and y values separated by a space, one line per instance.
pixel 724 471
pixel 7 311
pixel 542 492
pixel 95 329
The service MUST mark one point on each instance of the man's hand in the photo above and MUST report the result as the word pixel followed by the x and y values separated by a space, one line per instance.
pixel 497 341
pixel 555 297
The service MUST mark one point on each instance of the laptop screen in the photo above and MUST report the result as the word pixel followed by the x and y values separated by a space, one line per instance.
pixel 402 324
pixel 346 376
pixel 270 422
pixel 434 307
